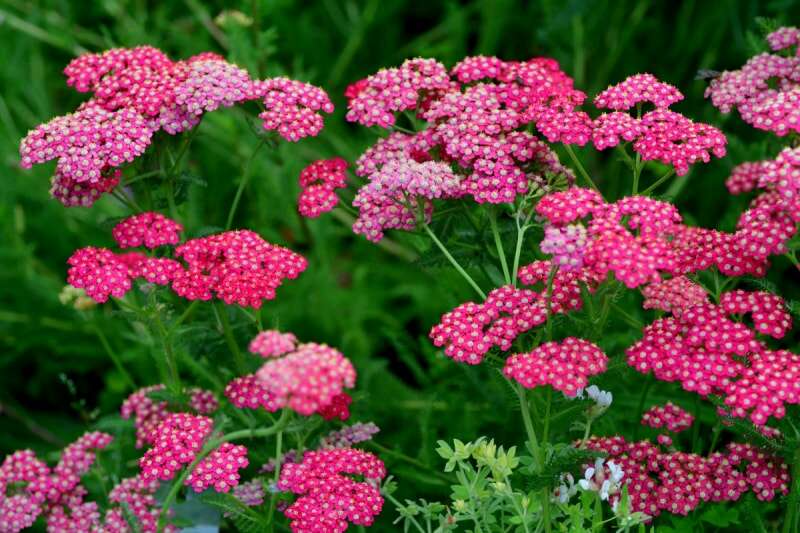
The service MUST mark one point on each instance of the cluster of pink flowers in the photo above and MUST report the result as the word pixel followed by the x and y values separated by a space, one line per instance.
pixel 470 330
pixel 659 135
pixel 149 414
pixel 148 229
pixel 668 416
pixel 566 244
pixel 640 239
pixel 272 343
pixel 235 266
pixel 307 378
pixel 475 126
pixel 219 469
pixel 708 353
pixel 139 91
pixel 565 365
pixel 673 295
pixel 175 444
pixel 319 182
pixel 765 90
pixel 328 498
pixel 677 482
pixel 28 487
pixel 138 496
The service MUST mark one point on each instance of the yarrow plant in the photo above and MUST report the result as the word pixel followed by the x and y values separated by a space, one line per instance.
pixel 579 296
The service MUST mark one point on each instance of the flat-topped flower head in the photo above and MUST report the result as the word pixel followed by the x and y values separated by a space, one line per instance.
pixel 673 295
pixel 329 499
pixel 19 509
pixel 566 244
pixel 565 365
pixel 668 416
pixel 148 229
pixel 319 182
pixel 219 469
pixel 272 343
pixel 248 392
pixel 292 107
pixel 99 272
pixel 768 311
pixel 638 89
pixel 176 443
pixel 210 84
pixel 236 266
pixel 307 379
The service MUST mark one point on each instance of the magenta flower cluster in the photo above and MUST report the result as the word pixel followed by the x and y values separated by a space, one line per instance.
pixel 319 182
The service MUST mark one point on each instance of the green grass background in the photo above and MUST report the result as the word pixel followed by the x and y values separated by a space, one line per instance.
pixel 373 303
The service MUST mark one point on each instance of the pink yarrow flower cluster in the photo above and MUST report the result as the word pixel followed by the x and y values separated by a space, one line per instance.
pixel 138 496
pixel 673 295
pixel 176 443
pixel 148 414
pixel 307 378
pixel 678 482
pixel 659 135
pixel 668 416
pixel 329 499
pixel 319 182
pixel 220 469
pixel 765 90
pixel 139 91
pixel 235 266
pixel 709 353
pixel 564 365
pixel 148 229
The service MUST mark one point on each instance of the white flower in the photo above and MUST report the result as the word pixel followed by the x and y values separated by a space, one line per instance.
pixel 601 398
pixel 596 479
pixel 566 488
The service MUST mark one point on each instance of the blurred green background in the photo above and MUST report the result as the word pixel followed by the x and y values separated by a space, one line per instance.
pixel 374 303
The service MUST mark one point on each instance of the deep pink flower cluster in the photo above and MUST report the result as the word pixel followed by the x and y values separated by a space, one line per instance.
pixel 766 90
pixel 139 91
pixel 397 193
pixel 677 482
pixel 138 496
pixel 149 229
pixel 176 443
pixel 28 488
pixel 319 182
pixel 235 266
pixel 307 379
pixel 248 392
pixel 565 365
pixel 668 416
pixel 708 353
pixel 328 498
pixel 219 469
pixel 659 135
pixel 640 239
pixel 768 311
pixel 673 295
pixel 149 414
pixel 272 343
pixel 476 126
pixel 470 330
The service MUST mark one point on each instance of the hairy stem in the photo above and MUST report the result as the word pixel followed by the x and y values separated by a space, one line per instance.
pixel 526 420
pixel 499 244
pixel 637 172
pixel 242 184
pixel 278 457
pixel 453 261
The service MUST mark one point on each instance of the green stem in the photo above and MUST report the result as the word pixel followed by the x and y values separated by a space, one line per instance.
pixel 278 457
pixel 586 432
pixel 522 515
pixel 658 182
pixel 400 506
pixel 521 229
pixel 242 185
pixel 126 201
pixel 581 169
pixel 499 244
pixel 453 261
pixel 640 407
pixel 637 172
pixel 189 310
pixel 114 357
pixel 169 353
pixel 210 446
pixel 790 523
pixel 526 420
pixel 227 331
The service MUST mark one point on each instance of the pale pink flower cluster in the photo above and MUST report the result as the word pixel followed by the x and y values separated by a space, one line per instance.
pixel 660 134
pixel 149 229
pixel 139 91
pixel 148 414
pixel 566 244
pixel 219 469
pixel 319 182
pixel 399 193
pixel 235 266
pixel 469 331
pixel 329 499
pixel 766 90
pixel 272 343
pixel 678 482
pixel 709 353
pixel 669 416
